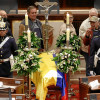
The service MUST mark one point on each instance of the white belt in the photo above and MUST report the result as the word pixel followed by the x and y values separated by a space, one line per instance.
pixel 99 58
pixel 4 60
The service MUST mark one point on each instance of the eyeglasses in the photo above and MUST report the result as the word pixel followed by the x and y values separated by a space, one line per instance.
pixel 71 18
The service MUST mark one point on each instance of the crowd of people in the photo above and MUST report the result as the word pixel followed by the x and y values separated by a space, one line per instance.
pixel 89 32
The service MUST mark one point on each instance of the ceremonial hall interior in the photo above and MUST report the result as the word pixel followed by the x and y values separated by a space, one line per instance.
pixel 47 81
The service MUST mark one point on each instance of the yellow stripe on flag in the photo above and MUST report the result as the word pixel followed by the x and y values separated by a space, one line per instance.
pixel 46 77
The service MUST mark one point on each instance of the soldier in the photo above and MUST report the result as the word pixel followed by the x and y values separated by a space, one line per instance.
pixel 3 14
pixel 95 49
pixel 7 47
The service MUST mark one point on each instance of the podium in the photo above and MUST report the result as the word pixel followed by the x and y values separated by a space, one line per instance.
pixel 85 90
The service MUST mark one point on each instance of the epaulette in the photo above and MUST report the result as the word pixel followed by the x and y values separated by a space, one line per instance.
pixel 96 30
pixel 96 36
pixel 11 37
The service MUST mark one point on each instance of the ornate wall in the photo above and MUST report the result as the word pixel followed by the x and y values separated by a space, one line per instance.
pixel 64 4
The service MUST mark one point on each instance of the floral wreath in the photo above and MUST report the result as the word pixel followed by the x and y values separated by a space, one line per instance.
pixel 35 41
pixel 67 60
pixel 74 41
pixel 27 60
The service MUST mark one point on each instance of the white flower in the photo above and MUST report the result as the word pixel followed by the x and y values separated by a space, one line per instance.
pixel 62 57
pixel 34 64
pixel 34 54
pixel 66 53
pixel 56 54
pixel 22 53
pixel 65 56
pixel 35 34
pixel 22 64
pixel 61 66
pixel 25 67
pixel 26 49
pixel 25 37
pixel 30 56
pixel 64 62
pixel 71 67
pixel 74 59
pixel 67 71
pixel 27 59
pixel 61 54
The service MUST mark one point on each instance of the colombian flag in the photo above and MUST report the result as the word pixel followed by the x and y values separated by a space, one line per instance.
pixel 49 75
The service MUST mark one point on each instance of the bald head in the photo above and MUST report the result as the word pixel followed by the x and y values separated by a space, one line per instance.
pixel 93 12
pixel 3 14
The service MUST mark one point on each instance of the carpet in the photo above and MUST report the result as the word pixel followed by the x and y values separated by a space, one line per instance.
pixel 75 91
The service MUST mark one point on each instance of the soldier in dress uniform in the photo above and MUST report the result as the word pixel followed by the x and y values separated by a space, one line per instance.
pixel 3 15
pixel 95 52
pixel 8 47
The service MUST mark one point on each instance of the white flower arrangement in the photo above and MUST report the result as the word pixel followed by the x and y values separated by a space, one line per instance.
pixel 27 60
pixel 67 60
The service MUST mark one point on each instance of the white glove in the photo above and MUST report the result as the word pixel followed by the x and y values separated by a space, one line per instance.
pixel 92 73
pixel 95 60
pixel 11 60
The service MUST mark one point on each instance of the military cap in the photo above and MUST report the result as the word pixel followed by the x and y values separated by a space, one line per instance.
pixel 3 25
pixel 93 19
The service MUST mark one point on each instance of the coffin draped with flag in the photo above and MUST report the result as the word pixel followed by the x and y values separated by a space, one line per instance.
pixel 49 75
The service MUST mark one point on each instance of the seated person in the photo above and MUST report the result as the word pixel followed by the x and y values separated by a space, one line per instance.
pixel 63 26
pixel 7 48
